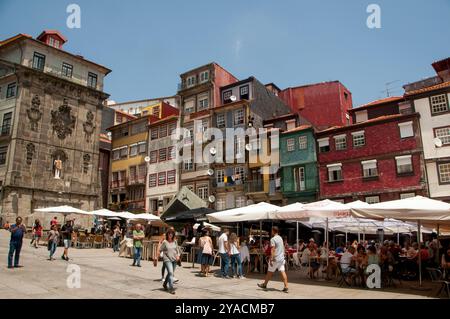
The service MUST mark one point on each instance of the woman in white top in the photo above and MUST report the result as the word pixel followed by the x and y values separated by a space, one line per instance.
pixel 235 256
pixel 206 246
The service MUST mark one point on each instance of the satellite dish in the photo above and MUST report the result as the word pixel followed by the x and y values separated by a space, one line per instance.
pixel 438 142
pixel 147 159
pixel 233 98
pixel 210 172
pixel 212 198
pixel 109 134
pixel 248 147
pixel 213 151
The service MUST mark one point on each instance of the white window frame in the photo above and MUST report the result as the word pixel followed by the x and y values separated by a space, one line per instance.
pixel 370 168
pixel 190 81
pixel 403 159
pixel 406 129
pixel 203 101
pixel 440 103
pixel 334 167
pixel 241 201
pixel 443 133
pixel 446 173
pixel 220 120
pixel 340 142
pixel 372 199
pixel 203 191
pixel 303 142
pixel 359 139
pixel 323 142
pixel 220 177
pixel 133 149
pixel 290 144
pixel 407 195
pixel 204 76
pixel 239 174
pixel 188 108
pixel 239 117
pixel 188 165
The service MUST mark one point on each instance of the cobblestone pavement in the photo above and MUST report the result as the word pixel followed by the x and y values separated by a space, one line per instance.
pixel 105 275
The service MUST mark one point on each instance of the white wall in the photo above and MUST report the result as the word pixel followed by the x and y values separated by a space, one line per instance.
pixel 436 190
pixel 427 123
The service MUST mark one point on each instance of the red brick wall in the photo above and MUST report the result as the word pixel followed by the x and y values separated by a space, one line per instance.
pixel 222 78
pixel 322 104
pixel 382 143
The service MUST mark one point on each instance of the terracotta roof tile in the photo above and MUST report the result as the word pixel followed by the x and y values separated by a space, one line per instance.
pixel 428 89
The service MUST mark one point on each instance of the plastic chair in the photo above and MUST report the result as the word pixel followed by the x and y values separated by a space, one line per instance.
pixel 437 277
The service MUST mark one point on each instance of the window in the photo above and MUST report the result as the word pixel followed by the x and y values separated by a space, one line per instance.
pixel 406 129
pixel 188 134
pixel 290 144
pixel 163 131
pixel 358 139
pixel 152 180
pixel 443 134
pixel 67 70
pixel 203 102
pixel 244 92
pixel 239 145
pixel 407 195
pixel 3 152
pixel 6 125
pixel 172 128
pixel 361 116
pixel 154 133
pixel 227 96
pixel 340 142
pixel 241 201
pixel 153 157
pixel 133 174
pixel 115 154
pixel 324 145
pixel 142 147
pixel 171 153
pixel 202 192
pixel 239 173
pixel 220 120
pixel 189 106
pixel 171 177
pixel 11 90
pixel 38 61
pixel 204 125
pixel 124 152
pixel 155 111
pixel 238 117
pixel 444 173
pixel 161 178
pixel 220 203
pixel 404 164
pixel 163 154
pixel 372 199
pixel 369 168
pixel 299 179
pixel 220 177
pixel 142 171
pixel 137 128
pixel 92 80
pixel 133 149
pixel 204 76
pixel 187 165
pixel 439 104
pixel 334 172
pixel 303 142
pixel 190 81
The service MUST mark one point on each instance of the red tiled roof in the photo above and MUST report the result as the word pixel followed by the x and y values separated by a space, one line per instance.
pixel 55 32
pixel 379 102
pixel 298 128
pixel 428 89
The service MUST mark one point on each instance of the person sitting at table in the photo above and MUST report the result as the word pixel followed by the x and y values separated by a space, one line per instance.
pixel 339 249
pixel 424 256
pixel 312 244
pixel 309 257
pixel 285 243
pixel 348 262
pixel 301 245
pixel 412 251
pixel 372 256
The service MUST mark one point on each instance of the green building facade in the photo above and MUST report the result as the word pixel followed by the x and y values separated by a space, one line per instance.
pixel 298 161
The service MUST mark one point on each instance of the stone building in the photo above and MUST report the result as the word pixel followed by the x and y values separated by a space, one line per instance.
pixel 51 105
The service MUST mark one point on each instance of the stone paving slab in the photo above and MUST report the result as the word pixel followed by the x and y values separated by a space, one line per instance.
pixel 105 275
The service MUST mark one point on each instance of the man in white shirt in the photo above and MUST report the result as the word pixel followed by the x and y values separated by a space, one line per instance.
pixel 277 260
pixel 346 260
pixel 224 251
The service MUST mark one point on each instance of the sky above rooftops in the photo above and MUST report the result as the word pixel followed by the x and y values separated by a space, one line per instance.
pixel 147 44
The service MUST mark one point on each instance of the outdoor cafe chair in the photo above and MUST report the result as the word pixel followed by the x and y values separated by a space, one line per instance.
pixel 437 277
pixel 344 276
pixel 82 242
pixel 98 241
pixel 184 253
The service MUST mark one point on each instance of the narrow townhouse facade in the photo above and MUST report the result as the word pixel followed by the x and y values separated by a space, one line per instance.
pixel 376 160
pixel 199 93
pixel 162 169
pixel 430 98
pixel 244 104
pixel 51 104
pixel 323 104
pixel 298 160
pixel 139 107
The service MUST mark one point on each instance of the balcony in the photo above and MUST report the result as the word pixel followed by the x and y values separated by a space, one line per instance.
pixel 136 180
pixel 134 205
pixel 255 186
pixel 118 183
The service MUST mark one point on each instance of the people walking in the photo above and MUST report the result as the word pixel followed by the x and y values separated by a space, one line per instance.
pixel 171 256
pixel 54 221
pixel 117 234
pixel 18 230
pixel 236 264
pixel 36 233
pixel 66 232
pixel 53 239
pixel 224 250
pixel 276 260
pixel 138 237
pixel 206 245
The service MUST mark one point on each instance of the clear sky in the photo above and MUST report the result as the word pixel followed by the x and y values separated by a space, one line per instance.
pixel 148 44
